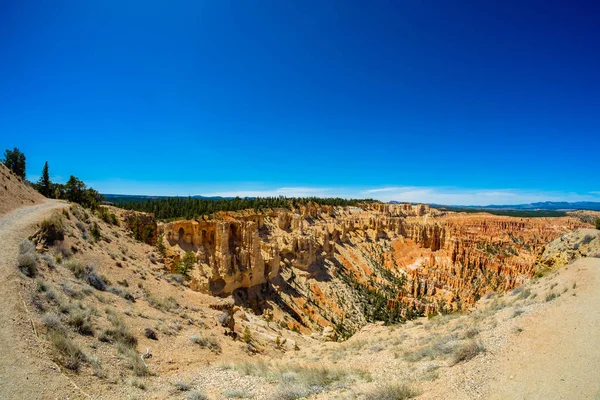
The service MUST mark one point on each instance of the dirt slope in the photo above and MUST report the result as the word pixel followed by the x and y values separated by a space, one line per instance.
pixel 558 354
pixel 25 371
pixel 14 193
pixel 546 348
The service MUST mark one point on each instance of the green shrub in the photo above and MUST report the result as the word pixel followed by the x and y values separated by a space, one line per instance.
pixel 247 335
pixel 107 216
pixel 95 231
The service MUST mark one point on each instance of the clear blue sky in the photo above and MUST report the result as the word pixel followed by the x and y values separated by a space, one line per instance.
pixel 443 101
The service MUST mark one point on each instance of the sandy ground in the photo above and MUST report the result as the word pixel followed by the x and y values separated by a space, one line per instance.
pixel 558 354
pixel 26 372
pixel 554 355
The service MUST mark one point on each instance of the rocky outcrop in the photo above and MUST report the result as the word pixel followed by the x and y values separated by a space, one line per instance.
pixel 327 262
pixel 568 247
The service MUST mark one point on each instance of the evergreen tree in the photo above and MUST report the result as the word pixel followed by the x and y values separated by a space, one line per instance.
pixel 74 190
pixel 15 161
pixel 44 185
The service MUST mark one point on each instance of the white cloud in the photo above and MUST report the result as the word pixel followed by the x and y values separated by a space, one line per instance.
pixel 460 196
pixel 413 194
pixel 283 191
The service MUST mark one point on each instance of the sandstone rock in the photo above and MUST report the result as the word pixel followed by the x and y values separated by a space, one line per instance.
pixel 435 261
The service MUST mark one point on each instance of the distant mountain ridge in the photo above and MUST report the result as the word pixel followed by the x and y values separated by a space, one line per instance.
pixel 109 197
pixel 545 205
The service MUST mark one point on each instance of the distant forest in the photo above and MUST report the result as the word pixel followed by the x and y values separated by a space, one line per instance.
pixel 193 208
pixel 509 213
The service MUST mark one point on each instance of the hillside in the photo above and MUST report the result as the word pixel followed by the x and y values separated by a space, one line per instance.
pixel 15 193
pixel 280 304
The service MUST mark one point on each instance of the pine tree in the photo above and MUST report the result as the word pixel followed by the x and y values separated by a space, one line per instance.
pixel 44 185
pixel 15 161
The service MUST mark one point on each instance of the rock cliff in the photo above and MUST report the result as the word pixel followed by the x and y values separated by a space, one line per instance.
pixel 319 266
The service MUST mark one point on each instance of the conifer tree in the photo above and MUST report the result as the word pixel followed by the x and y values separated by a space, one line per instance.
pixel 44 185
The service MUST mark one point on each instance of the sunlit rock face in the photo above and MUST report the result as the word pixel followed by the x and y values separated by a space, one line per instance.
pixel 322 261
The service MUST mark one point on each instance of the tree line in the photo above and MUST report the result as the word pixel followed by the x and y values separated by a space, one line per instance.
pixel 194 208
pixel 74 190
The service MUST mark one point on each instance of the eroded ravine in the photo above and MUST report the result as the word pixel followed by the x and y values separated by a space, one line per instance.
pixel 320 266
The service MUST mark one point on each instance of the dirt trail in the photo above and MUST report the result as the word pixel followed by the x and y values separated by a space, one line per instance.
pixel 557 356
pixel 25 370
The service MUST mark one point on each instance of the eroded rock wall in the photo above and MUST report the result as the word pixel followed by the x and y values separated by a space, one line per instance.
pixel 321 258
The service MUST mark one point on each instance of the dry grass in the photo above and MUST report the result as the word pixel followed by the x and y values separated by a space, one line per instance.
pixel 118 332
pixel 76 267
pixel 206 342
pixel 392 392
pixel 196 395
pixel 298 381
pixel 69 354
pixel 467 351
pixel 27 260
pixel 53 228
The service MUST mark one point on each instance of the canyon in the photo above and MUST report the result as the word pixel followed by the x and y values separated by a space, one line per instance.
pixel 324 268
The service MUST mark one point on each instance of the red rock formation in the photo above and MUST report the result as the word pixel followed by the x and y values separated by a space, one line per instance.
pixel 448 260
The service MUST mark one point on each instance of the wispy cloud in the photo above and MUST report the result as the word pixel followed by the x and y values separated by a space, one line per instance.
pixel 413 194
pixel 461 196
pixel 283 191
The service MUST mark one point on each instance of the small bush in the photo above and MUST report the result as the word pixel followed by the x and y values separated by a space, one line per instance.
pixel 196 395
pixel 206 342
pixel 96 281
pixel 53 228
pixel 107 216
pixel 76 268
pixel 392 392
pixel 467 351
pixel 28 264
pixel 80 321
pixel 150 333
pixel 27 259
pixel 95 232
pixel 247 335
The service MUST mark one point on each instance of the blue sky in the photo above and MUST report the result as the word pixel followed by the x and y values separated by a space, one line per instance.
pixel 465 102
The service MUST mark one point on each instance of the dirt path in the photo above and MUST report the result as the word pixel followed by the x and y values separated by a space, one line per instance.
pixel 25 370
pixel 558 354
